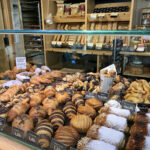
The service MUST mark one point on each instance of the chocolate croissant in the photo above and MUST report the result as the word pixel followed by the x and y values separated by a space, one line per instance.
pixel 49 91
pixel 62 97
pixel 57 118
pixel 77 99
pixel 142 117
pixel 69 110
pixel 45 131
pixel 67 135
pixel 81 123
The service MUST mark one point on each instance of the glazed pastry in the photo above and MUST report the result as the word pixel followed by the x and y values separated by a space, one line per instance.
pixel 107 135
pixel 77 99
pixel 81 123
pixel 87 110
pixel 49 91
pixel 113 103
pixel 35 88
pixel 142 117
pixel 138 142
pixel 67 135
pixel 111 121
pixel 49 104
pixel 23 122
pixel 36 99
pixel 88 144
pixel 45 131
pixel 17 109
pixel 57 118
pixel 116 111
pixel 62 97
pixel 95 103
pixel 69 110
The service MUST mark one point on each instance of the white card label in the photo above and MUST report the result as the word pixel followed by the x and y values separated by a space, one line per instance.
pixel 101 15
pixel 59 43
pixel 114 14
pixel 53 42
pixel 93 16
pixel 99 45
pixel 90 44
pixel 70 43
pixel 21 62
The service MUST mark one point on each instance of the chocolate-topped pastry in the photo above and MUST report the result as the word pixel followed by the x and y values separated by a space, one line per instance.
pixel 77 99
pixel 35 88
pixel 45 131
pixel 57 118
pixel 69 110
pixel 62 96
pixel 23 122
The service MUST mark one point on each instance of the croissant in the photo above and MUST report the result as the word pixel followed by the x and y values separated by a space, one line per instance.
pixel 62 97
pixel 107 135
pixel 81 123
pixel 87 110
pixel 49 91
pixel 57 118
pixel 19 108
pixel 24 86
pixel 45 131
pixel 77 99
pixel 67 135
pixel 35 88
pixel 111 121
pixel 69 110
pixel 95 103
pixel 142 117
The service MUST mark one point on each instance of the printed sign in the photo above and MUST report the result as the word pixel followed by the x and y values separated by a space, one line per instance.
pixel 17 132
pixel 143 107
pixel 55 145
pixel 2 121
pixel 21 62
pixel 32 137
pixel 128 105
pixel 102 96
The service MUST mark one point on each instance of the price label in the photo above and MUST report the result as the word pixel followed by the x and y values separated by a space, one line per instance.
pixel 53 42
pixel 128 105
pixel 102 96
pixel 114 14
pixel 101 15
pixel 21 62
pixel 70 43
pixel 89 95
pixel 59 43
pixel 18 132
pixel 32 137
pixel 90 44
pixel 55 145
pixel 93 16
pixel 2 121
pixel 144 107
pixel 99 45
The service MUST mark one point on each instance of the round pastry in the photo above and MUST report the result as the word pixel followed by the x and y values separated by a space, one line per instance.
pixel 23 122
pixel 81 123
pixel 87 110
pixel 57 118
pixel 95 103
pixel 69 110
pixel 62 97
pixel 77 99
pixel 49 91
pixel 67 135
pixel 45 131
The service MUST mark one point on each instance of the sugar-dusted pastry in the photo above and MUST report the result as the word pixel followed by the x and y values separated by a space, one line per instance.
pixel 142 117
pixel 45 131
pixel 87 143
pixel 111 121
pixel 77 99
pixel 113 103
pixel 87 110
pixel 140 128
pixel 138 142
pixel 95 103
pixel 36 99
pixel 107 135
pixel 81 123
pixel 49 104
pixel 49 91
pixel 23 122
pixel 62 96
pixel 17 109
pixel 57 118
pixel 70 110
pixel 67 135
pixel 116 111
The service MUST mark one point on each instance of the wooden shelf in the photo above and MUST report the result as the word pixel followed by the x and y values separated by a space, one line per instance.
pixel 135 53
pixel 90 52
pixel 69 18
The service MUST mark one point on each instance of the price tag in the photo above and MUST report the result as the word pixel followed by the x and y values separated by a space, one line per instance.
pixel 72 148
pixel 140 49
pixel 114 14
pixel 101 15
pixel 99 45
pixel 53 42
pixel 90 44
pixel 102 96
pixel 32 137
pixel 89 95
pixel 93 16
pixel 144 107
pixel 128 105
pixel 59 43
pixel 18 132
pixel 2 121
pixel 21 62
pixel 55 145
pixel 70 43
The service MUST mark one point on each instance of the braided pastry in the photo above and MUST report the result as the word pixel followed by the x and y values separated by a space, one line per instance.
pixel 62 97
pixel 77 99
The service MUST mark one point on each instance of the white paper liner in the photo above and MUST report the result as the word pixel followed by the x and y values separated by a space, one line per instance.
pixel 21 77
pixel 113 103
pixel 111 136
pixel 12 82
pixel 146 143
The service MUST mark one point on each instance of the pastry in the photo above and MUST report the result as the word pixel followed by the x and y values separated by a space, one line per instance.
pixel 107 135
pixel 81 123
pixel 57 118
pixel 17 109
pixel 69 110
pixel 88 144
pixel 67 135
pixel 111 121
pixel 45 131
pixel 113 103
pixel 23 122
pixel 142 117
pixel 87 110
pixel 49 91
pixel 95 103
pixel 62 97
pixel 35 88
pixel 77 99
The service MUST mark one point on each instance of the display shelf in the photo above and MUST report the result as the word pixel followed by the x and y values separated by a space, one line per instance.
pixel 135 53
pixel 90 52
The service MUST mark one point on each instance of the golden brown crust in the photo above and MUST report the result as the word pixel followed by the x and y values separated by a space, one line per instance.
pixel 49 91
pixel 100 119
pixel 82 143
pixel 77 99
pixel 141 117
pixel 62 97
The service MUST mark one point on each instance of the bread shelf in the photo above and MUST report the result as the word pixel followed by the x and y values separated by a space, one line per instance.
pixel 135 53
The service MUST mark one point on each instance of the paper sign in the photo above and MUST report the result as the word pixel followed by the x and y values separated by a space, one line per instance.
pixel 143 107
pixel 93 16
pixel 99 45
pixel 101 15
pixel 32 137
pixel 21 62
pixel 53 42
pixel 114 14
pixel 70 43
pixel 90 44
pixel 59 43
pixel 17 132
pixel 128 105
